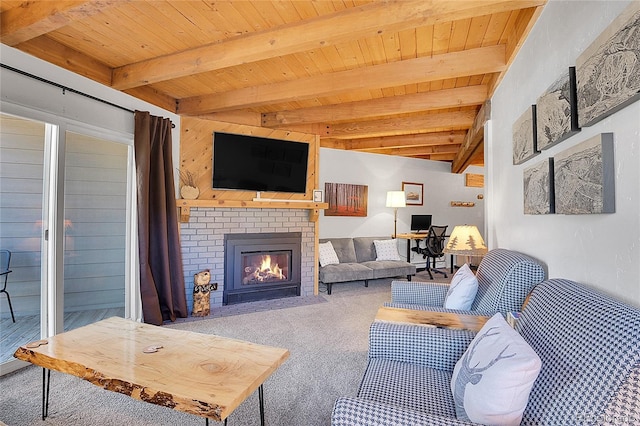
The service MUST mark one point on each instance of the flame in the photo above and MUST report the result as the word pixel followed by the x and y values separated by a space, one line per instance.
pixel 275 270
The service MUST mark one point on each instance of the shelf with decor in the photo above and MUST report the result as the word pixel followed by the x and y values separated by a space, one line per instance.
pixel 313 207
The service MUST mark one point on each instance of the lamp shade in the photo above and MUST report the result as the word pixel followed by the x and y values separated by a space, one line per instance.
pixel 465 240
pixel 396 199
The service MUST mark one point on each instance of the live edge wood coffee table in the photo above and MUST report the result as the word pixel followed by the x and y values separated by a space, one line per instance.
pixel 431 318
pixel 201 374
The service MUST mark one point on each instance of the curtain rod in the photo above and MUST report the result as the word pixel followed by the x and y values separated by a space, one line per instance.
pixel 66 88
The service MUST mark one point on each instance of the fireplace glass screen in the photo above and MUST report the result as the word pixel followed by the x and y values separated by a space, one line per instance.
pixel 265 267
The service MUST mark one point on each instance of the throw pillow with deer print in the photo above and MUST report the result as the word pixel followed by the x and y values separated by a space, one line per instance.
pixel 492 380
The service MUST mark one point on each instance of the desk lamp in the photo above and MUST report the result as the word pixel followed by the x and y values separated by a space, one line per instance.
pixel 395 199
pixel 465 240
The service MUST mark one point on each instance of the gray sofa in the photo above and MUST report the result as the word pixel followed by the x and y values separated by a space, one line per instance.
pixel 358 262
pixel 586 340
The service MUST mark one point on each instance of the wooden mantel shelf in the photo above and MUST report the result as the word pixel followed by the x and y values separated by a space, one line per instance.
pixel 313 207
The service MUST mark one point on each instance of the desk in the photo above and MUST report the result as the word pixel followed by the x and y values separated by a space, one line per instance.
pixel 419 236
pixel 201 374
pixel 432 318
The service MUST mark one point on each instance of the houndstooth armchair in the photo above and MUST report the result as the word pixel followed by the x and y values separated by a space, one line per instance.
pixel 588 342
pixel 505 278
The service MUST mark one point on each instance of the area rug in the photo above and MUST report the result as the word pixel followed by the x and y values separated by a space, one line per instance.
pixel 327 340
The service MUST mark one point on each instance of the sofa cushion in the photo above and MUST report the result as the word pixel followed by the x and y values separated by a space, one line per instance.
pixel 344 272
pixel 386 249
pixel 344 248
pixel 390 268
pixel 327 255
pixel 365 248
pixel 462 289
pixel 408 385
pixel 492 380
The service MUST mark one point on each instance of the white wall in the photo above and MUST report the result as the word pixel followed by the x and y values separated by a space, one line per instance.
pixel 602 250
pixel 382 173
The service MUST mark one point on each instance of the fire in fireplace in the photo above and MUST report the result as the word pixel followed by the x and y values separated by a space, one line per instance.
pixel 265 268
pixel 261 266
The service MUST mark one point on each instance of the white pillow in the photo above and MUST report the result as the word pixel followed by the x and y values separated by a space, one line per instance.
pixel 386 250
pixel 327 254
pixel 492 381
pixel 462 289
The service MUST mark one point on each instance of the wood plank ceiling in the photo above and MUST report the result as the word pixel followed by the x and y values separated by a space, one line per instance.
pixel 408 78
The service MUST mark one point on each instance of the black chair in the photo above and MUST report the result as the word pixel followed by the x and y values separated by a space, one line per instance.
pixel 5 261
pixel 434 248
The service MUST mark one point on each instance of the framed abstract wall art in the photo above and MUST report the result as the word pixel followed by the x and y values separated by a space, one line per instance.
pixel 538 188
pixel 524 136
pixel 584 177
pixel 608 71
pixel 557 111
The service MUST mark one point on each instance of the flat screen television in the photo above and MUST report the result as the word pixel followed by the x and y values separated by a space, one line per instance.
pixel 420 222
pixel 259 164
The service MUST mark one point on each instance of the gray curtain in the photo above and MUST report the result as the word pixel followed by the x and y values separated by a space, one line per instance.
pixel 161 274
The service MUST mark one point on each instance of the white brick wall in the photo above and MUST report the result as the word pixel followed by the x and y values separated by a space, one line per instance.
pixel 202 240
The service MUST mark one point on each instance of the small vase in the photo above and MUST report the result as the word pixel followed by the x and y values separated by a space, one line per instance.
pixel 189 192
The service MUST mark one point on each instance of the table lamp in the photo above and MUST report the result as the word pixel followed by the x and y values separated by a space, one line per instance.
pixel 465 240
pixel 395 199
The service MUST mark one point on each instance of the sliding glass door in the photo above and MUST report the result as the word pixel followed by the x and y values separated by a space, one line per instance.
pixel 22 183
pixel 66 216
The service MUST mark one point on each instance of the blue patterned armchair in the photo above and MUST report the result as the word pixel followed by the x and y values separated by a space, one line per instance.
pixel 588 342
pixel 505 278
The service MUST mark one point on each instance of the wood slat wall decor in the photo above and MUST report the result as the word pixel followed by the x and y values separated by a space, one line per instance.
pixel 196 157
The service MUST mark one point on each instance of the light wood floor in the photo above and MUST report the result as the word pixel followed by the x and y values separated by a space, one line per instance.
pixel 27 328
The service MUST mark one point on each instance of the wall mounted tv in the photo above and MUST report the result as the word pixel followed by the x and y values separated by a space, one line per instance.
pixel 259 164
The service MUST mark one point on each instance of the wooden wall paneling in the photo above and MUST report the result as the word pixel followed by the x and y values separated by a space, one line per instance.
pixel 196 157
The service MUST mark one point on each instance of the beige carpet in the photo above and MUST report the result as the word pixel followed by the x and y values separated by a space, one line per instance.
pixel 328 342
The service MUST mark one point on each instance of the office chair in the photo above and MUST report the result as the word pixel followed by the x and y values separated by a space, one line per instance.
pixel 434 248
pixel 5 261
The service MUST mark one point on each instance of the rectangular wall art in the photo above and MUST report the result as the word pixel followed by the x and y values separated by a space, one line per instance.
pixel 557 111
pixel 584 177
pixel 524 136
pixel 538 188
pixel 413 193
pixel 345 199
pixel 608 71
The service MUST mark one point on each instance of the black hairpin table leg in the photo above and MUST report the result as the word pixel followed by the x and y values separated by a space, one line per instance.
pixel 46 381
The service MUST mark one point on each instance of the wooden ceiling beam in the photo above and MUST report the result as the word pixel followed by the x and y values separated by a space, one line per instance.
pixel 418 150
pixel 50 50
pixel 35 18
pixel 473 140
pixel 406 141
pixel 476 61
pixel 403 125
pixel 370 20
pixel 416 102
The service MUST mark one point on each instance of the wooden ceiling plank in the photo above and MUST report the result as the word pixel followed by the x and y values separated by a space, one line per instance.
pixel 35 18
pixel 406 141
pixel 357 22
pixel 450 65
pixel 415 151
pixel 403 125
pixel 464 96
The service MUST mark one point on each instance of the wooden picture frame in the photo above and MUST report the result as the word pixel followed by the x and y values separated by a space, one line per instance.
pixel 413 193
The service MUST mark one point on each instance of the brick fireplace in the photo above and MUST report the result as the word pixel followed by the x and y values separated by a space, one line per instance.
pixel 203 243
